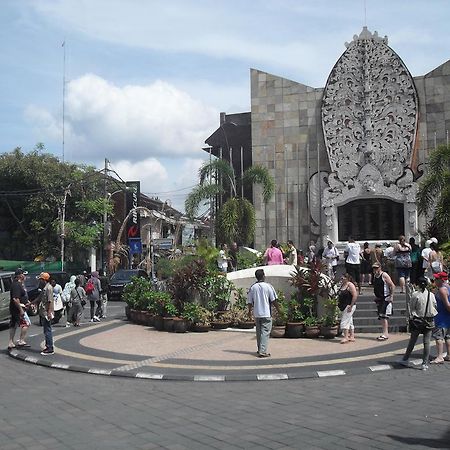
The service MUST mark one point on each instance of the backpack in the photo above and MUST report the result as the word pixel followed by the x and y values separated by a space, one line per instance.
pixel 89 288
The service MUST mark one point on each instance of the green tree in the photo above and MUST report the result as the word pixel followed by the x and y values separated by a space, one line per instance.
pixel 433 196
pixel 32 189
pixel 236 218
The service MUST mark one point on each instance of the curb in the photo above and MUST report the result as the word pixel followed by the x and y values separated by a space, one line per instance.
pixel 209 378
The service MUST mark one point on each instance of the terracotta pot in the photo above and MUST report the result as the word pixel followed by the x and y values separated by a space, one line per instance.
pixel 312 331
pixel 201 328
pixel 246 325
pixel 329 332
pixel 168 324
pixel 180 325
pixel 220 325
pixel 158 323
pixel 295 330
pixel 278 331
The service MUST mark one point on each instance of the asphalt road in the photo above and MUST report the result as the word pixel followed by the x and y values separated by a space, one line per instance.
pixel 52 409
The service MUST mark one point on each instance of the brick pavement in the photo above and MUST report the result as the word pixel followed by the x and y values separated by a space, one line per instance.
pixel 50 409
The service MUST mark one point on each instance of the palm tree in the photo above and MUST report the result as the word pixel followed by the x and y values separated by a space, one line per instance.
pixel 433 196
pixel 236 217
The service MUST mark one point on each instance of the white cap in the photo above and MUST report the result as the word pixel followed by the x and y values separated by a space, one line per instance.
pixel 434 240
pixel 427 243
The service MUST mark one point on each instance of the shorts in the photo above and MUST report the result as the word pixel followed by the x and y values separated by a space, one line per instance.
pixel 14 321
pixel 403 272
pixel 384 308
pixel 355 271
pixel 347 319
pixel 441 333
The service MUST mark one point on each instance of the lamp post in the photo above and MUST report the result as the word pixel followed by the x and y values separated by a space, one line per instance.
pixel 63 225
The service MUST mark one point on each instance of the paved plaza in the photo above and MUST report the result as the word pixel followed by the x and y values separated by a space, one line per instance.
pixel 389 408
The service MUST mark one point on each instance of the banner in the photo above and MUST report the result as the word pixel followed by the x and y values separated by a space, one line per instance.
pixel 133 195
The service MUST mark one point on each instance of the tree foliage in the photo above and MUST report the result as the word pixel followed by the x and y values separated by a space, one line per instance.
pixel 236 217
pixel 32 190
pixel 433 196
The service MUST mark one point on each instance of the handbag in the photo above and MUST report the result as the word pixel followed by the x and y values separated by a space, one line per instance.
pixel 422 324
pixel 403 261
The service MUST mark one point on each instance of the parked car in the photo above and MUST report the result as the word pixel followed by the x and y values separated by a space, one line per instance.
pixel 6 279
pixel 32 282
pixel 119 279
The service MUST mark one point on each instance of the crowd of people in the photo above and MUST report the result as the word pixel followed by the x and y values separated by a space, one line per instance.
pixel 53 302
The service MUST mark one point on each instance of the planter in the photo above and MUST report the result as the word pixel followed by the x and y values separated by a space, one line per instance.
pixel 158 323
pixel 217 325
pixel 247 325
pixel 180 325
pixel 312 331
pixel 168 324
pixel 148 319
pixel 127 312
pixel 198 328
pixel 295 330
pixel 133 315
pixel 329 332
pixel 140 317
pixel 278 331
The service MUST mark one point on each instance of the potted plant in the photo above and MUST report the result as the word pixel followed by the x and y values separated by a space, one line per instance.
pixel 312 328
pixel 222 320
pixel 279 317
pixel 295 326
pixel 170 312
pixel 329 326
pixel 202 321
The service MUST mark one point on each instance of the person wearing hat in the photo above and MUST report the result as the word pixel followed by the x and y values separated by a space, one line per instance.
pixel 46 312
pixel 442 321
pixel 425 258
pixel 422 305
pixel 383 288
pixel 17 304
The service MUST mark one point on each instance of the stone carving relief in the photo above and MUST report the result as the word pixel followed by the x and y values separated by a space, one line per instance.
pixel 369 121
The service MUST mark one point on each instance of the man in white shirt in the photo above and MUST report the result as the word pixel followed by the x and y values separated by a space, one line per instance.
pixel 352 261
pixel 222 259
pixel 425 258
pixel 260 298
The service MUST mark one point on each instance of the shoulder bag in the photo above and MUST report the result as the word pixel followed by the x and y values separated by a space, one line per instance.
pixel 422 324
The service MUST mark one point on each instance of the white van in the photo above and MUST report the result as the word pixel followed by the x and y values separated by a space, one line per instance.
pixel 6 279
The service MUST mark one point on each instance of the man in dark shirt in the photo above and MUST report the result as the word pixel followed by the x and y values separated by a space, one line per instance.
pixel 18 299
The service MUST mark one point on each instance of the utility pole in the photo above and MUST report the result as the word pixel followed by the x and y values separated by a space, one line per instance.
pixel 63 225
pixel 105 219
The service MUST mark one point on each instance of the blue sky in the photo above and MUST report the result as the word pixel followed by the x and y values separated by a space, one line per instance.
pixel 146 79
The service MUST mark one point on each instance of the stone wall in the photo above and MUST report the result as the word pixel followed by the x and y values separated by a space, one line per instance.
pixel 286 127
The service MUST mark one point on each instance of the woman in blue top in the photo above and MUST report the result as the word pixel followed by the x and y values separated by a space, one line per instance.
pixel 442 331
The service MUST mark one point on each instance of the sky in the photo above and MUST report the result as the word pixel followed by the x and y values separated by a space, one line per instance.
pixel 145 80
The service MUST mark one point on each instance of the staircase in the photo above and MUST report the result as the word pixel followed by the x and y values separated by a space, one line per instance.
pixel 365 318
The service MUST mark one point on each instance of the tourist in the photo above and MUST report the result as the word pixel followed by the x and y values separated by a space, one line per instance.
pixel 58 305
pixel 426 268
pixel 383 288
pixel 311 252
pixel 347 296
pixel 352 261
pixel 331 255
pixel 66 298
pixel 78 299
pixel 415 261
pixel 436 259
pixel 366 267
pixel 389 260
pixel 46 312
pixel 292 253
pixel 261 297
pixel 442 321
pixel 104 285
pixel 402 251
pixel 92 289
pixel 17 308
pixel 422 305
pixel 273 254
pixel 376 255
pixel 222 259
pixel 233 258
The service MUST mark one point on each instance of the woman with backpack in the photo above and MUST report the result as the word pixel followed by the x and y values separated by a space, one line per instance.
pixel 92 289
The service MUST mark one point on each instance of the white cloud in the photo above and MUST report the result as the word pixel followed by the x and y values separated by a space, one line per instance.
pixel 150 172
pixel 130 122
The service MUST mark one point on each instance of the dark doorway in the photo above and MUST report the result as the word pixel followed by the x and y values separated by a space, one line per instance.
pixel 371 220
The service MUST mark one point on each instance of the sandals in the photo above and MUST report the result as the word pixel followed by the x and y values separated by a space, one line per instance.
pixel 382 338
pixel 437 361
pixel 345 341
pixel 446 358
pixel 23 345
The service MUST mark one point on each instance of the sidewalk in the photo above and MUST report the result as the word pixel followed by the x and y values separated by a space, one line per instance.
pixel 117 347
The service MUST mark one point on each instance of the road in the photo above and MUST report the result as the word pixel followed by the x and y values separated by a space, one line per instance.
pixel 52 409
